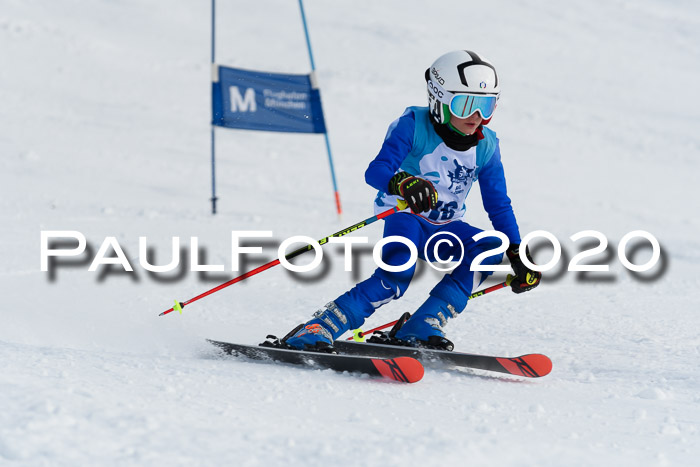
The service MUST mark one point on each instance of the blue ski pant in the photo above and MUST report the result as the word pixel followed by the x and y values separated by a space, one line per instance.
pixel 383 286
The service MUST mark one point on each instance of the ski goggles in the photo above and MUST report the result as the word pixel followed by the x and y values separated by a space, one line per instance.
pixel 464 105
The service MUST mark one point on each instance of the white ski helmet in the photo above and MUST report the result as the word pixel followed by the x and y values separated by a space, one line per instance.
pixel 462 83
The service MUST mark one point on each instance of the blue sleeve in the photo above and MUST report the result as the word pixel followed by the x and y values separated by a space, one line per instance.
pixel 397 144
pixel 492 182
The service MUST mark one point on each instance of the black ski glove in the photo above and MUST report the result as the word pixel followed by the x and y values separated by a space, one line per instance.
pixel 525 278
pixel 419 193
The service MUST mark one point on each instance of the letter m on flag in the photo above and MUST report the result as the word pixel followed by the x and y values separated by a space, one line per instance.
pixel 243 103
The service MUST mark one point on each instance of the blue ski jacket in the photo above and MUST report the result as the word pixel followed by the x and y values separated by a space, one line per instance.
pixel 412 145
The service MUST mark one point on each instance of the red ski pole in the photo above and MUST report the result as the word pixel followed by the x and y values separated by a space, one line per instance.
pixel 358 334
pixel 180 305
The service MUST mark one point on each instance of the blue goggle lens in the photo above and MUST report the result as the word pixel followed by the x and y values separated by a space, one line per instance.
pixel 464 105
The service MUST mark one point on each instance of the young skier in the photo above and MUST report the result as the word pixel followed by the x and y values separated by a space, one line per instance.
pixel 430 158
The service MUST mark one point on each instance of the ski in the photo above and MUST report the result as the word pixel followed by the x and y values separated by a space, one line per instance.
pixel 402 368
pixel 530 366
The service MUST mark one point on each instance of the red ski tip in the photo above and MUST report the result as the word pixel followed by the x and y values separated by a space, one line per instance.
pixel 403 369
pixel 532 365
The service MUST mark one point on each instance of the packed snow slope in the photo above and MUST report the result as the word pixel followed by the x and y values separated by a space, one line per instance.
pixel 104 129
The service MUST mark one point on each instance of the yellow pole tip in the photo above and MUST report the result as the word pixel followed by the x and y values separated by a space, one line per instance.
pixel 358 335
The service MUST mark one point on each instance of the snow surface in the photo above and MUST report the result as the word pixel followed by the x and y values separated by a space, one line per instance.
pixel 104 117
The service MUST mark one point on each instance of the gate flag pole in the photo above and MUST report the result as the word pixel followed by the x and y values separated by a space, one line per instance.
pixel 325 134
pixel 213 138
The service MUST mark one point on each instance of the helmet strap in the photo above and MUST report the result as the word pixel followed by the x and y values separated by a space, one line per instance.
pixel 445 117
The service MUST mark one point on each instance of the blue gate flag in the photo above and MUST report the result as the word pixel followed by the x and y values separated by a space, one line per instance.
pixel 258 100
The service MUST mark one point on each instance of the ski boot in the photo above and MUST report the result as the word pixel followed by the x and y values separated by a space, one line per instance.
pixel 318 334
pixel 423 329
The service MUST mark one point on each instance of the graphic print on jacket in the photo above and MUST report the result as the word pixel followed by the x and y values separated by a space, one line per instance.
pixel 453 173
pixel 461 175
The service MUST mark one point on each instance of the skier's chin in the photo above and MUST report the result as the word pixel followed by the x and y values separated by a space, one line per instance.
pixel 466 125
pixel 470 129
pixel 467 128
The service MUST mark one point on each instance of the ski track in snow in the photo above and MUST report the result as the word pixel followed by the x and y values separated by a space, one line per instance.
pixel 105 131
